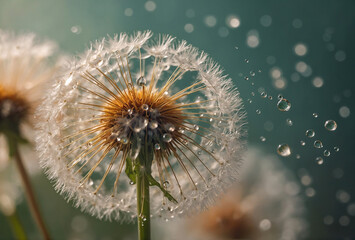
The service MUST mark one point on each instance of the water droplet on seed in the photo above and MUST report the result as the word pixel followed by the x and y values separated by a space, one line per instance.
pixel 196 127
pixel 167 137
pixel 284 150
pixel 141 81
pixel 310 133
pixel 326 153
pixel 318 144
pixel 124 140
pixel 330 125
pixel 166 184
pixel 283 105
pixel 153 124
pixel 157 146
pixel 145 107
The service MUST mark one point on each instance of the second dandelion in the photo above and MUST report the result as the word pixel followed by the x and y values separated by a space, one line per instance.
pixel 135 119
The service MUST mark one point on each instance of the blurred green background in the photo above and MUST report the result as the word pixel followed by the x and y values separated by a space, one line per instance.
pixel 303 50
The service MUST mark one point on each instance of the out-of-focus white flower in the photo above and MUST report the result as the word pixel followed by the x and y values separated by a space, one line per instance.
pixel 24 71
pixel 265 204
pixel 129 98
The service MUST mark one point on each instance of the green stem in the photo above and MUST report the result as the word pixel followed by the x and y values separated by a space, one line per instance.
pixel 30 196
pixel 143 205
pixel 17 227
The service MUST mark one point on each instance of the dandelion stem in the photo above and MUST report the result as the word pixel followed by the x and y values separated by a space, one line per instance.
pixel 17 227
pixel 30 195
pixel 143 205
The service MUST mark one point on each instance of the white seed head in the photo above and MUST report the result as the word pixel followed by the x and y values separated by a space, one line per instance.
pixel 158 117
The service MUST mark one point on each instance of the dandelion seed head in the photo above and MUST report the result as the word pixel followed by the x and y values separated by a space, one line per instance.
pixel 133 95
pixel 24 72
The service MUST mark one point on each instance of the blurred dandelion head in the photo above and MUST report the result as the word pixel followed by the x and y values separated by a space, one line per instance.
pixel 23 73
pixel 265 204
pixel 130 98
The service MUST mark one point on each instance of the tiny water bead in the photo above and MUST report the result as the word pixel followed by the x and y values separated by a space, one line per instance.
pixel 326 153
pixel 318 144
pixel 145 107
pixel 330 125
pixel 263 95
pixel 319 160
pixel 336 149
pixel 284 150
pixel 283 105
pixel 258 111
pixel 141 81
pixel 303 143
pixel 262 138
pixel 310 133
pixel 315 115
pixel 157 146
pixel 289 122
pixel 167 137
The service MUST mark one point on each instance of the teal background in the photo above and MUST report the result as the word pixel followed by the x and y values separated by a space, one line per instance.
pixel 54 20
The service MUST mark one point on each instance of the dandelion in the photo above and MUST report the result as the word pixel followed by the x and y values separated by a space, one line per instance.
pixel 131 119
pixel 23 75
pixel 265 204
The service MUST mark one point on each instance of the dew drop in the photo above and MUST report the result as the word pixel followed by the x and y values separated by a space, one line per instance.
pixel 124 140
pixel 315 115
pixel 318 144
pixel 170 127
pixel 284 150
pixel 289 122
pixel 303 143
pixel 166 184
pixel 326 153
pixel 157 146
pixel 319 160
pixel 262 138
pixel 153 124
pixel 336 149
pixel 131 183
pixel 196 127
pixel 145 107
pixel 252 73
pixel 246 78
pixel 167 137
pixel 330 125
pixel 246 60
pixel 130 111
pixel 258 111
pixel 141 81
pixel 280 96
pixel 263 94
pixel 310 133
pixel 89 144
pixel 270 97
pixel 283 105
